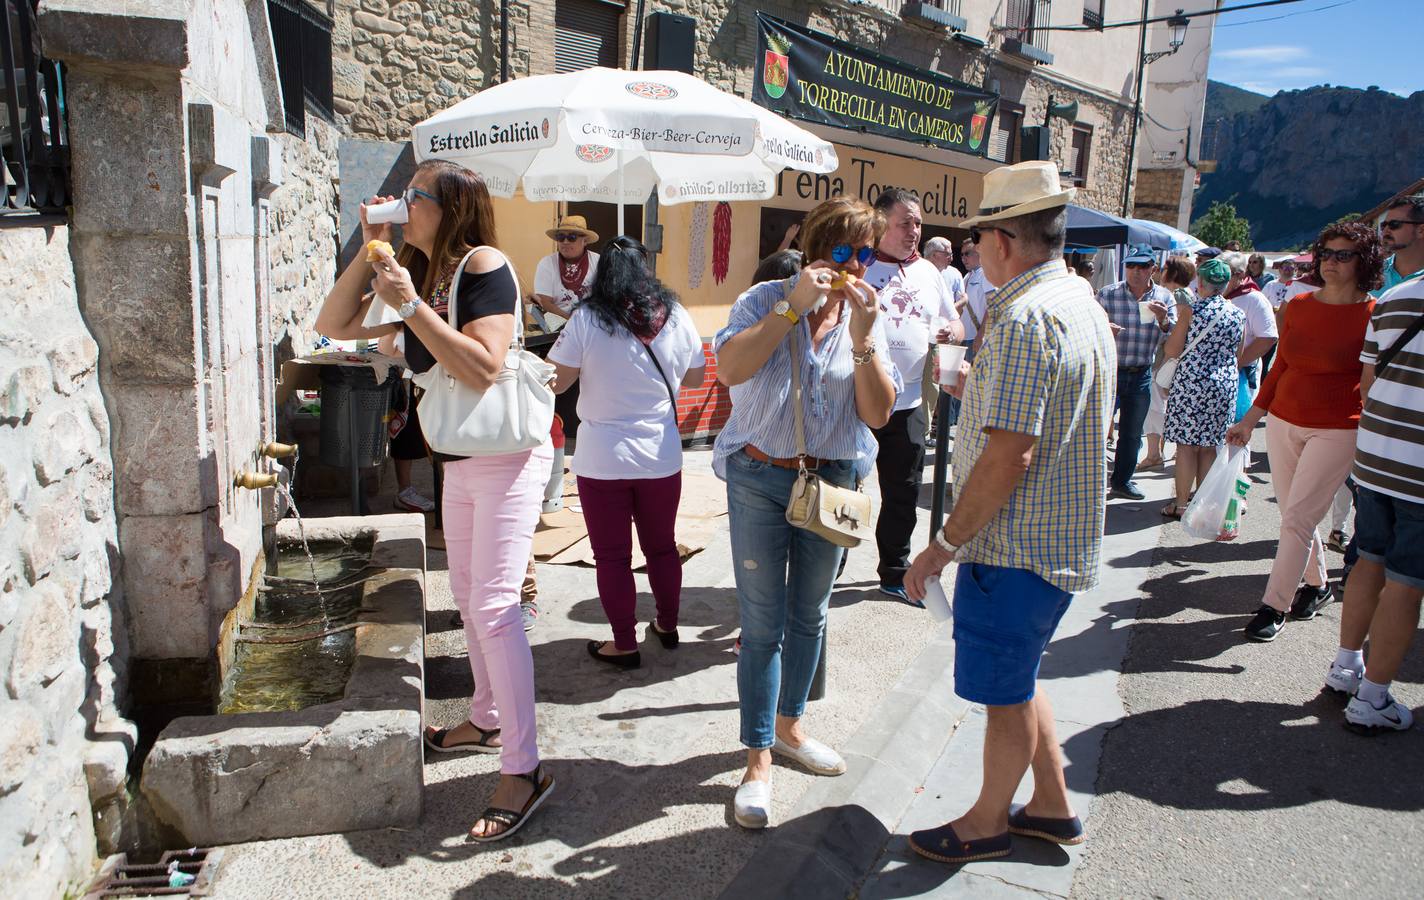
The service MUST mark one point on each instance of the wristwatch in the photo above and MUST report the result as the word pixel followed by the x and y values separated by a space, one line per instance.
pixel 783 308
pixel 863 359
pixel 945 545
pixel 408 308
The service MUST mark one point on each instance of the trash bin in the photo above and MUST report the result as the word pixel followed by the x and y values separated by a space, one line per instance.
pixel 354 409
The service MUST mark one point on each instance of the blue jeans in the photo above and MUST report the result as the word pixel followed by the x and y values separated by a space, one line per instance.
pixel 784 578
pixel 1134 399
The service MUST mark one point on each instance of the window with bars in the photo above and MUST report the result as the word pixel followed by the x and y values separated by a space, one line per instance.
pixel 1093 13
pixel 586 34
pixel 34 140
pixel 1080 153
pixel 1004 141
pixel 1028 19
pixel 301 37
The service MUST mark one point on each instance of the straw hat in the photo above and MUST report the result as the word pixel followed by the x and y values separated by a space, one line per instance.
pixel 1018 190
pixel 573 223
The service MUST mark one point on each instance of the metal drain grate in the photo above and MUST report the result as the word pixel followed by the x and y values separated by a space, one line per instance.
pixel 120 878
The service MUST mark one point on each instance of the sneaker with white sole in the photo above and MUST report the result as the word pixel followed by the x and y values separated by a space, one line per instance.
pixel 1343 679
pixel 812 754
pixel 751 806
pixel 1363 718
pixel 412 500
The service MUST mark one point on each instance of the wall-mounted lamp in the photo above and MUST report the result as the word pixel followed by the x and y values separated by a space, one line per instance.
pixel 1176 36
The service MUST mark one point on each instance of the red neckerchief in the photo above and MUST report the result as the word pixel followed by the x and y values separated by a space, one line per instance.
pixel 573 272
pixel 644 330
pixel 902 263
pixel 1245 287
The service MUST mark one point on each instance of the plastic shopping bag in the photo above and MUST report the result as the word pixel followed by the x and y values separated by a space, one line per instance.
pixel 1215 512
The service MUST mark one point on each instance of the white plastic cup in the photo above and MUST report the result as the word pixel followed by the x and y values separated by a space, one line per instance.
pixel 936 601
pixel 950 356
pixel 1144 313
pixel 392 212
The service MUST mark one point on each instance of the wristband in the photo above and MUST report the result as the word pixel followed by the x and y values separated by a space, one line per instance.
pixel 945 545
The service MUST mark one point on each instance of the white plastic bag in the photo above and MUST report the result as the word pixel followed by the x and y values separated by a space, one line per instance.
pixel 1214 513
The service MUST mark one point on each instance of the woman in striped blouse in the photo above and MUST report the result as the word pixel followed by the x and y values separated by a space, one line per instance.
pixel 784 574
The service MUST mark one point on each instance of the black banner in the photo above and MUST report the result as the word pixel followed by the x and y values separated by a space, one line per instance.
pixel 804 74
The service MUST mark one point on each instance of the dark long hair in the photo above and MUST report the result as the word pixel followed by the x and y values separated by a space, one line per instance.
pixel 466 222
pixel 626 294
pixel 1369 265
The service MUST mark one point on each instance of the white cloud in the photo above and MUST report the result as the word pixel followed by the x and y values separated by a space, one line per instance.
pixel 1266 54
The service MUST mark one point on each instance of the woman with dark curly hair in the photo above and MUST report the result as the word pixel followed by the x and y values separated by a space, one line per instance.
pixel 1313 396
pixel 633 346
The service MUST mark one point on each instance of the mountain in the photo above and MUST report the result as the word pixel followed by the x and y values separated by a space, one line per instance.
pixel 1225 100
pixel 1299 160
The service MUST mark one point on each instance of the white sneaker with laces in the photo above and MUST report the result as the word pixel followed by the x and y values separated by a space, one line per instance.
pixel 752 805
pixel 1365 718
pixel 1344 680
pixel 812 754
pixel 414 501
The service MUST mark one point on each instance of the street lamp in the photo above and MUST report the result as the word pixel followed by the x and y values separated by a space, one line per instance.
pixel 1177 35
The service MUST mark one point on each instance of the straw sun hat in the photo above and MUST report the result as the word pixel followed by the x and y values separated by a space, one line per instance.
pixel 574 223
pixel 1018 190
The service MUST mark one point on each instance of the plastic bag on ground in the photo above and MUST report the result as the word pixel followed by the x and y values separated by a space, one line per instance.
pixel 1215 512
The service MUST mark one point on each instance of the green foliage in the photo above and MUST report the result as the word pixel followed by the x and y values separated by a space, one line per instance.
pixel 1221 225
pixel 1348 217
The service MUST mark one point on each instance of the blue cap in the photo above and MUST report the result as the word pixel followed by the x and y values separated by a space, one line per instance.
pixel 1140 253
pixel 1209 253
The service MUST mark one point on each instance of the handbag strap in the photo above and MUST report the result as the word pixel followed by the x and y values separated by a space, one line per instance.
pixel 1384 359
pixel 1203 333
pixel 796 395
pixel 672 396
pixel 518 341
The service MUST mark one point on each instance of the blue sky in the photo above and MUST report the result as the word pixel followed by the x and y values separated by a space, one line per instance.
pixel 1354 43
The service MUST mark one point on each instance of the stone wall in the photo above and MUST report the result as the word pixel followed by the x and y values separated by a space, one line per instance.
pixel 304 237
pixel 1158 195
pixel 60 599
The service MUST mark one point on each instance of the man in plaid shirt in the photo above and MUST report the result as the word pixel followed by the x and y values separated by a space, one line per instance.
pixel 1138 337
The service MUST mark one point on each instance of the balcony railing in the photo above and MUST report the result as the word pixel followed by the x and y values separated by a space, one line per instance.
pixel 34 141
pixel 1028 20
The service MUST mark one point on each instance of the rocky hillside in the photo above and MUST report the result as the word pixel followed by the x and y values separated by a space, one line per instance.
pixel 1304 158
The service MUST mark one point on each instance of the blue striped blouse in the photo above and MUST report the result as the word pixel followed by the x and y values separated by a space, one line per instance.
pixel 761 406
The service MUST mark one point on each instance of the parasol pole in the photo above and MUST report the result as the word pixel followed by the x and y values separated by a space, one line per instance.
pixel 620 192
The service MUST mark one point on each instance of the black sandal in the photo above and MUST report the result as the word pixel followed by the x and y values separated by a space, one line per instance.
pixel 669 639
pixel 512 820
pixel 435 740
pixel 1175 513
pixel 621 660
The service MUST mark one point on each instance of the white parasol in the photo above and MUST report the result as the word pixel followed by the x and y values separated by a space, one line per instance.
pixel 615 136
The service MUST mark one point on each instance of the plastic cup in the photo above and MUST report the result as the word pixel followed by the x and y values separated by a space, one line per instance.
pixel 392 212
pixel 1145 313
pixel 936 601
pixel 950 356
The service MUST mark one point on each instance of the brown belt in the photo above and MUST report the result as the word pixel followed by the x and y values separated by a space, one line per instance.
pixel 790 462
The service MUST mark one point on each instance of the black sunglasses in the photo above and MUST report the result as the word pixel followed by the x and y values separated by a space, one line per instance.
pixel 1139 265
pixel 842 253
pixel 1391 224
pixel 563 236
pixel 1338 255
pixel 976 233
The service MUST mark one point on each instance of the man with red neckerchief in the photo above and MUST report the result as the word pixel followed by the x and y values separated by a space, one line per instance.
pixel 564 277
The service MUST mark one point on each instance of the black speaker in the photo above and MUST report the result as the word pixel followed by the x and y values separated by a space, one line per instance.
pixel 672 42
pixel 1036 143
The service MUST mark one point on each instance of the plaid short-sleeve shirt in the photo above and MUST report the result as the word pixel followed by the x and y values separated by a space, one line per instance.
pixel 1047 368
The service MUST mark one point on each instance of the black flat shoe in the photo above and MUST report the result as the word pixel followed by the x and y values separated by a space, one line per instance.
pixel 621 660
pixel 669 639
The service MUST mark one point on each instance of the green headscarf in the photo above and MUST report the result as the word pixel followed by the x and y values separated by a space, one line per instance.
pixel 1214 271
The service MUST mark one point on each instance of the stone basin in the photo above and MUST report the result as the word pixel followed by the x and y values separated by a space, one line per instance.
pixel 351 764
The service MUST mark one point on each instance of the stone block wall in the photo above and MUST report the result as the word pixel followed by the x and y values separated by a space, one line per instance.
pixel 63 744
pixel 303 236
pixel 1158 195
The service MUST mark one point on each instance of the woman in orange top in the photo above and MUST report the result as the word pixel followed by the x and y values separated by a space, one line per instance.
pixel 1313 396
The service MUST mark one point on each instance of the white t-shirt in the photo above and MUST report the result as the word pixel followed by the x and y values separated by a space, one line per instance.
pixel 977 286
pixel 1260 318
pixel 548 283
pixel 1278 292
pixel 910 296
pixel 627 426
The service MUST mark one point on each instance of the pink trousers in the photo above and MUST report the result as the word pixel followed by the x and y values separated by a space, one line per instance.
pixel 491 505
pixel 1308 465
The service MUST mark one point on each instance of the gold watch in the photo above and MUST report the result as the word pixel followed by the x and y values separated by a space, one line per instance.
pixel 783 308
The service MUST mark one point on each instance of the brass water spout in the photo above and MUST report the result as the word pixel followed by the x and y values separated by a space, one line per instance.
pixel 254 480
pixel 274 450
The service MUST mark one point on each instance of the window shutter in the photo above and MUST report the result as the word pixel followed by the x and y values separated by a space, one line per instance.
pixel 586 34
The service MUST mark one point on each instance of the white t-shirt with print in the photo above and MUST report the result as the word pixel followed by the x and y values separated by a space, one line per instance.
pixel 1278 293
pixel 910 297
pixel 627 425
pixel 1260 318
pixel 548 282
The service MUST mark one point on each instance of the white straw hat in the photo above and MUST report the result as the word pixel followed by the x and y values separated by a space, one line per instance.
pixel 1018 190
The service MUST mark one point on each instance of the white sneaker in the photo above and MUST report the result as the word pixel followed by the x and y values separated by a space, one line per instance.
pixel 1360 716
pixel 752 805
pixel 812 754
pixel 414 501
pixel 1344 680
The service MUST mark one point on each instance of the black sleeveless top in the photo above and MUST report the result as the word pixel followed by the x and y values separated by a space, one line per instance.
pixel 484 294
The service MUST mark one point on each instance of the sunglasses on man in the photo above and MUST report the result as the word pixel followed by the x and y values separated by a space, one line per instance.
pixel 1392 224
pixel 564 237
pixel 976 234
pixel 841 253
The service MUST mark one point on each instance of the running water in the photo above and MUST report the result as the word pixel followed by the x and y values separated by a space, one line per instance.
pixel 286 492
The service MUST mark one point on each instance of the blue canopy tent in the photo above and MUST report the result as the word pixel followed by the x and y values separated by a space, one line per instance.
pixel 1092 228
pixel 1180 239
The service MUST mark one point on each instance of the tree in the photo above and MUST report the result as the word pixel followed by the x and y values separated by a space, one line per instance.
pixel 1221 224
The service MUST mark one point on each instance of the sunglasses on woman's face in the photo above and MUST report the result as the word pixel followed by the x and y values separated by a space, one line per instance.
pixel 842 253
pixel 1338 255
pixel 413 192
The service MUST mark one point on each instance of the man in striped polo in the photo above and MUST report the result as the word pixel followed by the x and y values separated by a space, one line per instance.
pixel 1027 526
pixel 1383 593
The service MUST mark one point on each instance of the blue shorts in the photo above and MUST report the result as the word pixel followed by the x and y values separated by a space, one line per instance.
pixel 1389 531
pixel 1003 621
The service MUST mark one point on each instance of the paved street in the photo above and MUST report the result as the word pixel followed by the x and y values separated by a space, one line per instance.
pixel 1223 773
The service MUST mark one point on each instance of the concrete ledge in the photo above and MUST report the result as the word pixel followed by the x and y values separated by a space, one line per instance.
pixel 144 34
pixel 345 766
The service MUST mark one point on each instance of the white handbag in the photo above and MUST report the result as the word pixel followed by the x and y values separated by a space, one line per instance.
pixel 514 414
pixel 1168 369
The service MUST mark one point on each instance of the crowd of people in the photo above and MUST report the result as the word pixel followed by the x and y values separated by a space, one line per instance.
pixel 830 364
